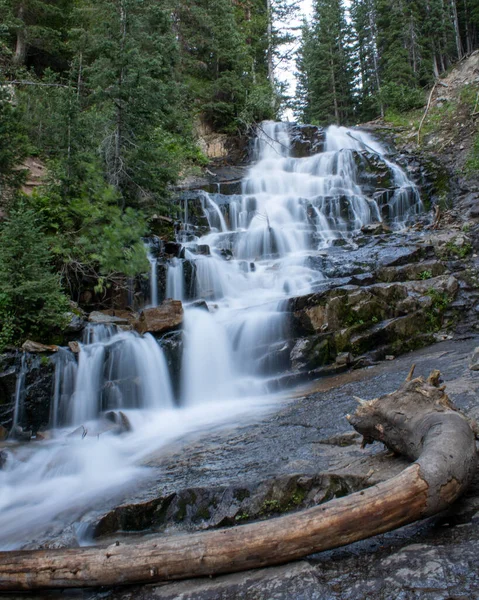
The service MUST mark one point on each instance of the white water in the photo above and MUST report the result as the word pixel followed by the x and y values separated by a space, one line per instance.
pixel 289 209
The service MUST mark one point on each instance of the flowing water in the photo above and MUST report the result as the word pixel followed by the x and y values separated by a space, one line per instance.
pixel 256 256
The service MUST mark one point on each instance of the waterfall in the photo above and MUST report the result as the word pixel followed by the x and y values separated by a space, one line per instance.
pixel 153 260
pixel 288 210
pixel 175 280
pixel 20 391
pixel 259 253
pixel 116 370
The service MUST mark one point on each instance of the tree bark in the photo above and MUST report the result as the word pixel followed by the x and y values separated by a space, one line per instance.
pixel 21 41
pixel 417 421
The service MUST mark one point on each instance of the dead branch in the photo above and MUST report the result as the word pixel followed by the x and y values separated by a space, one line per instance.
pixel 425 114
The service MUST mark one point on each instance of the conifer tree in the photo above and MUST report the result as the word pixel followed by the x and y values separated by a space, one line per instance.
pixel 327 64
pixel 35 23
pixel 31 301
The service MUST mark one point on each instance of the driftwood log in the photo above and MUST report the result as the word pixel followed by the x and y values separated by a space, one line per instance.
pixel 418 421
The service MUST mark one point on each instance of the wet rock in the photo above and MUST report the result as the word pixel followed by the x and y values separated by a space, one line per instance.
pixel 375 229
pixel 161 319
pixel 37 348
pixel 223 506
pixel 3 433
pixel 3 459
pixel 310 353
pixel 344 359
pixel 474 362
pixel 37 395
pixel 19 434
pixel 172 249
pixel 75 324
pixel 410 272
pixel 74 347
pixel 306 140
pixel 201 304
pixel 172 345
pixel 110 317
pixel 121 423
pixel 452 286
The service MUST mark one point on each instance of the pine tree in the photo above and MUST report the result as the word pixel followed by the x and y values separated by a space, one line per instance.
pixel 31 301
pixel 127 56
pixel 327 64
pixel 35 23
pixel 15 149
pixel 368 84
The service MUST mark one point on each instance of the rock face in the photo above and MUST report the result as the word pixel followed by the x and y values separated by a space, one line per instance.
pixel 386 297
pixel 162 319
pixel 37 391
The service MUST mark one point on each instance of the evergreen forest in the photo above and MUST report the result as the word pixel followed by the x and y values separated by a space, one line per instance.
pixel 111 96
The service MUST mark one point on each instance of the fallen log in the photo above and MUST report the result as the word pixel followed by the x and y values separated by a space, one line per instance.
pixel 418 421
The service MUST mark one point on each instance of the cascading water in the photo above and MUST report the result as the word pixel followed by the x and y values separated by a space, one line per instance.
pixel 289 209
pixel 256 256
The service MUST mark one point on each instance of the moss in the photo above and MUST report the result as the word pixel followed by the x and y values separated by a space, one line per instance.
pixel 242 516
pixel 203 514
pixel 270 506
pixel 297 497
pixel 453 250
pixel 337 488
pixel 425 275
pixel 434 315
pixel 241 495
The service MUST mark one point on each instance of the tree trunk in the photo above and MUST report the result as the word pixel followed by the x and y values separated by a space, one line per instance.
pixel 21 42
pixel 418 421
pixel 457 32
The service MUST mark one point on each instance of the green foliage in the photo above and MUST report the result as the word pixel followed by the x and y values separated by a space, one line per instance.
pixel 14 150
pixel 31 301
pixel 425 275
pixel 401 98
pixel 89 232
pixel 472 163
pixel 434 316
pixel 325 65
pixel 223 58
pixel 452 250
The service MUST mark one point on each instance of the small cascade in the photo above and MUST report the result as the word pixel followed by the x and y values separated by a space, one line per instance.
pixel 116 370
pixel 208 371
pixel 175 280
pixel 153 260
pixel 20 391
pixel 64 382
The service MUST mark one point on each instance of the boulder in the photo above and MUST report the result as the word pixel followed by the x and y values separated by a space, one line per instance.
pixel 161 319
pixel 375 229
pixel 74 347
pixel 37 348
